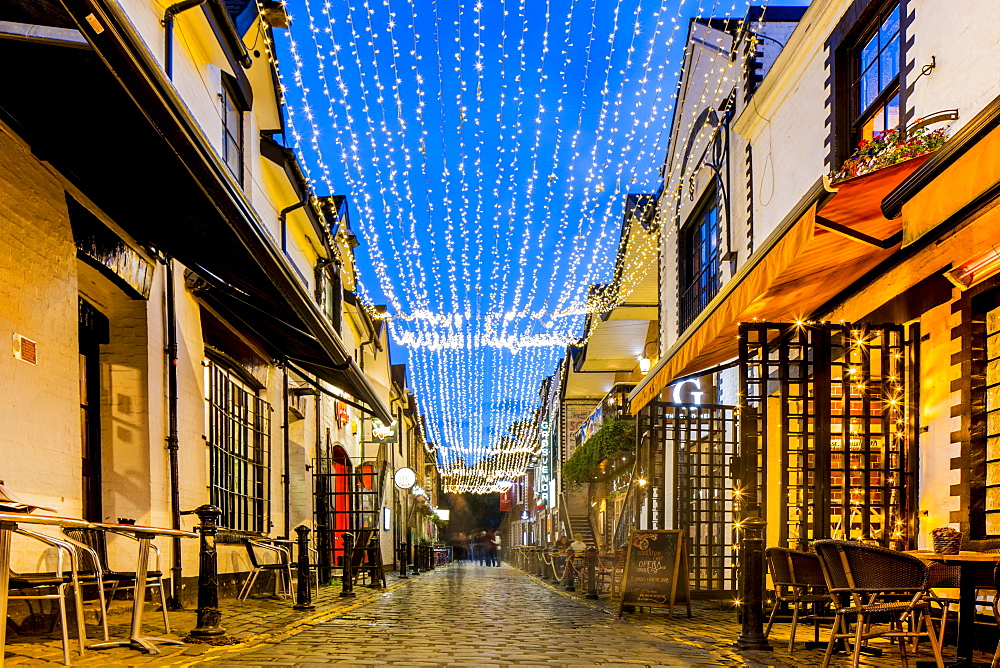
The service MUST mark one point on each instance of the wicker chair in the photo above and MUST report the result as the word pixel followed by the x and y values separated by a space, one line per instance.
pixel 798 579
pixel 869 584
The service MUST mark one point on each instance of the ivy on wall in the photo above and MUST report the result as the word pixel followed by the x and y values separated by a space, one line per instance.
pixel 614 436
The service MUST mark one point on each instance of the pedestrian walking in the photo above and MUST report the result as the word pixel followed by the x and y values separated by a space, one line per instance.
pixel 490 548
pixel 496 550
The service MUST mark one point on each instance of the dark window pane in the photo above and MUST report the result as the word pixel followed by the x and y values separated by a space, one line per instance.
pixel 892 112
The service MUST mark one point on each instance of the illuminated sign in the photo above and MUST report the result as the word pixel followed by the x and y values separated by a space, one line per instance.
pixel 696 394
pixel 404 478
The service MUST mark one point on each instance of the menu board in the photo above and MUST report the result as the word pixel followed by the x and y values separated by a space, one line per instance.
pixel 656 571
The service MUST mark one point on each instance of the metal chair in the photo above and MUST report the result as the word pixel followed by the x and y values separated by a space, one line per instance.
pixel 798 579
pixel 61 580
pixel 870 583
pixel 282 567
pixel 95 540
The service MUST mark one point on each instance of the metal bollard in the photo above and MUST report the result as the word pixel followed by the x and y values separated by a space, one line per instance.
pixel 592 572
pixel 404 561
pixel 568 582
pixel 209 615
pixel 347 588
pixel 303 593
pixel 416 558
pixel 752 567
pixel 431 558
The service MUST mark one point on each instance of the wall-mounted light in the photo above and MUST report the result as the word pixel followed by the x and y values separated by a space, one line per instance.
pixel 645 363
pixel 976 270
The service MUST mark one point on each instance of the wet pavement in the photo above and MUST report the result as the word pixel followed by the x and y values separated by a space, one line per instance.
pixel 467 615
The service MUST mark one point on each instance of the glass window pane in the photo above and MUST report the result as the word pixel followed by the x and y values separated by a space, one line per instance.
pixel 888 65
pixel 869 52
pixel 892 112
pixel 890 27
pixel 869 87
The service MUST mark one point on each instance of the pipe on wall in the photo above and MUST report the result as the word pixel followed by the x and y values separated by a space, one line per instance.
pixel 168 31
pixel 173 442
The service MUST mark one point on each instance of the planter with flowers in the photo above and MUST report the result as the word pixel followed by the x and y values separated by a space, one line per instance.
pixel 889 148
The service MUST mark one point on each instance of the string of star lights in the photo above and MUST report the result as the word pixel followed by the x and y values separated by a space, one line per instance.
pixel 487 151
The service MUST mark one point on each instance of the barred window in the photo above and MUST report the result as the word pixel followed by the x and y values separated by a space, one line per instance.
pixel 239 442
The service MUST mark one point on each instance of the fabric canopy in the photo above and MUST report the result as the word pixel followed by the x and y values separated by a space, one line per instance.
pixel 802 267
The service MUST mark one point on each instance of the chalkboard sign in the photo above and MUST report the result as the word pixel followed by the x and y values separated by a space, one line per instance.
pixel 656 571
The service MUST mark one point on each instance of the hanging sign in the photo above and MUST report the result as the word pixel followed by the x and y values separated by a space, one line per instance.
pixel 656 571
pixel 404 478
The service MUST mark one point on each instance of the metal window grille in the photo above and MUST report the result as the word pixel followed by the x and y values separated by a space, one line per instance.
pixel 831 402
pixel 990 330
pixel 700 444
pixel 239 442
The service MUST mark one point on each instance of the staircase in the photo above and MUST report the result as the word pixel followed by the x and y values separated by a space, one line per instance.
pixel 579 526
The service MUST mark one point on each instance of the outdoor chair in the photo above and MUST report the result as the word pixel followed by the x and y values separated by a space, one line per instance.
pixel 996 612
pixel 281 567
pixel 870 584
pixel 95 540
pixel 798 579
pixel 65 576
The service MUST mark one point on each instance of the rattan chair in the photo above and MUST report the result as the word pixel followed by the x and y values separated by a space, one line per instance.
pixel 871 584
pixel 798 579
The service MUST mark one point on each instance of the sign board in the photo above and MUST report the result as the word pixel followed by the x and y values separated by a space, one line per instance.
pixel 656 571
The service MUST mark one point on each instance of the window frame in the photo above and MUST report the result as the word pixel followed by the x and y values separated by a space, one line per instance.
pixel 859 24
pixel 229 99
pixel 688 277
pixel 238 440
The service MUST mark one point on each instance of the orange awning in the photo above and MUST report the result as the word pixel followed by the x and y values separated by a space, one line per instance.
pixel 799 269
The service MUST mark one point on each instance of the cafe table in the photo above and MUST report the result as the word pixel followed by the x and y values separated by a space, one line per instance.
pixel 144 535
pixel 9 523
pixel 968 563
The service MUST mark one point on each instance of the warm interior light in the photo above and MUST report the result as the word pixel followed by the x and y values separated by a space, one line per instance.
pixel 642 482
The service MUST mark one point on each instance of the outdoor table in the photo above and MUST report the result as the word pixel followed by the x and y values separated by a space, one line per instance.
pixel 8 523
pixel 967 563
pixel 145 536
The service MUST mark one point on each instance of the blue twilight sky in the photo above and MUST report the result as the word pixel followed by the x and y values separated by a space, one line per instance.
pixel 486 150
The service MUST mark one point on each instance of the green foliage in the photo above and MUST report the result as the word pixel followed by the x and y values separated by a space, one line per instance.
pixel 614 436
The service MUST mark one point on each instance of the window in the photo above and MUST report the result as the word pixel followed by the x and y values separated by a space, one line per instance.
pixel 699 261
pixel 330 294
pixel 232 133
pixel 875 89
pixel 239 442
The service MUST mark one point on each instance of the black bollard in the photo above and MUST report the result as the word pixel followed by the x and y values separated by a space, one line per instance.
pixel 303 594
pixel 568 582
pixel 752 566
pixel 415 553
pixel 209 615
pixel 592 572
pixel 431 558
pixel 347 588
pixel 404 562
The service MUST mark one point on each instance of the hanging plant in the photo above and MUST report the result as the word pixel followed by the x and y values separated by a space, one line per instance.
pixel 613 437
pixel 889 148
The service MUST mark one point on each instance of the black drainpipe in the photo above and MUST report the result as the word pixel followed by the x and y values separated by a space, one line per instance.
pixel 168 35
pixel 173 443
pixel 287 447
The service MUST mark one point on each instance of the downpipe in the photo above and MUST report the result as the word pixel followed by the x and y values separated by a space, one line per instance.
pixel 173 442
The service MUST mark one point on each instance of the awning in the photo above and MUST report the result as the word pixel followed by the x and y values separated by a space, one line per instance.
pixel 810 259
pixel 959 180
pixel 133 148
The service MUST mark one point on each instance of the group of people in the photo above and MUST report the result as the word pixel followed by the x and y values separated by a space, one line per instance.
pixel 483 547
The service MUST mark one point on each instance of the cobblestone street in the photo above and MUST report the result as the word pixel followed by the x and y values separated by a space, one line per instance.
pixel 470 615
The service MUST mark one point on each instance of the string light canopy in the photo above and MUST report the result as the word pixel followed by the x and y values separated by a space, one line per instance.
pixel 487 150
